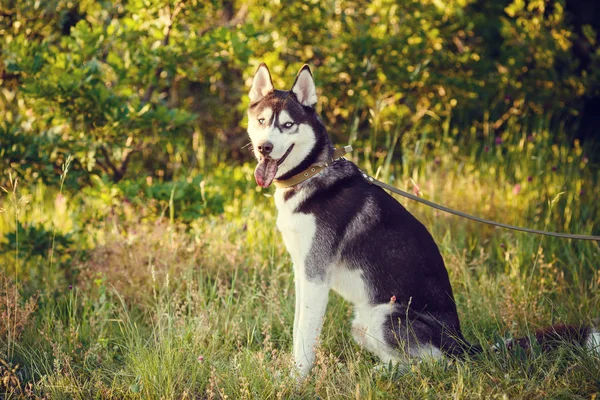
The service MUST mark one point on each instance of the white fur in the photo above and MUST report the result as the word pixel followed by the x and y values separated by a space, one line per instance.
pixel 506 343
pixel 351 286
pixel 298 231
pixel 592 342
pixel 367 329
pixel 311 302
pixel 368 319
pixel 303 141
pixel 428 352
pixel 259 133
pixel 284 117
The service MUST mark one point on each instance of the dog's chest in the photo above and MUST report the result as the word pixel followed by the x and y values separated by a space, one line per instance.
pixel 298 229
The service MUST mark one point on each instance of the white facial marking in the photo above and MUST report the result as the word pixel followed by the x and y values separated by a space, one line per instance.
pixel 303 139
pixel 285 121
pixel 284 117
pixel 259 133
pixel 266 114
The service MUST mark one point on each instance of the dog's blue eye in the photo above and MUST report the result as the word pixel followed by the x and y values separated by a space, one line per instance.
pixel 288 124
pixel 261 121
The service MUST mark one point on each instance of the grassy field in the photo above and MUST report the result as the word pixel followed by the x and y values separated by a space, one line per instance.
pixel 115 291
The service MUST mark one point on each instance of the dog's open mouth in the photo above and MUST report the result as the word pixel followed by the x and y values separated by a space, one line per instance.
pixel 267 169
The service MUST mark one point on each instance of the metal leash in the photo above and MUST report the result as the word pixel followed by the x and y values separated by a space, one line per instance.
pixel 474 218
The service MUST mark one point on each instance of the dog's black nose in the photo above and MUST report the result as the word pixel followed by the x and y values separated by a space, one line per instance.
pixel 266 148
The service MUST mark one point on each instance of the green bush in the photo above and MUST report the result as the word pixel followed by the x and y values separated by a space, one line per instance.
pixel 152 86
pixel 34 240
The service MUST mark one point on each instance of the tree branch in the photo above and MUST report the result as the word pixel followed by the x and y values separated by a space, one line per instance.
pixel 109 162
pixel 151 86
pixel 239 17
pixel 125 161
pixel 110 168
pixel 102 166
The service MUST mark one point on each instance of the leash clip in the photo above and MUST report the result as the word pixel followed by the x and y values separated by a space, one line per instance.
pixel 341 152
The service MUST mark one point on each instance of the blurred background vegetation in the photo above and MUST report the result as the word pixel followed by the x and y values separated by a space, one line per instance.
pixel 158 87
pixel 124 158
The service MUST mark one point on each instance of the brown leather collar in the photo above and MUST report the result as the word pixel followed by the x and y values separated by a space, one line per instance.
pixel 312 170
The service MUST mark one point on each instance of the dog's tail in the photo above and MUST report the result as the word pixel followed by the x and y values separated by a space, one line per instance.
pixel 547 339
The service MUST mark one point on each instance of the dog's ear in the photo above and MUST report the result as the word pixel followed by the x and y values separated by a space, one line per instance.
pixel 304 87
pixel 262 84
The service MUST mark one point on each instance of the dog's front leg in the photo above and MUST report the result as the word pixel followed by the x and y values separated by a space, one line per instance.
pixel 296 309
pixel 311 302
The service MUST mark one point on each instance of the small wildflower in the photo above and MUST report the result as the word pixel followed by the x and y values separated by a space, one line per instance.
pixel 581 192
pixel 502 245
pixel 60 203
pixel 554 168
pixel 200 358
pixel 70 287
pixel 416 190
pixel 529 178
pixel 486 148
pixel 498 140
pixel 516 189
pixel 393 299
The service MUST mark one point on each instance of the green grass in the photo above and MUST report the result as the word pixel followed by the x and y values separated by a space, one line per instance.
pixel 163 309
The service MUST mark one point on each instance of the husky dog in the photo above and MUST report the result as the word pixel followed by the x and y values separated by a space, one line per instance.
pixel 346 234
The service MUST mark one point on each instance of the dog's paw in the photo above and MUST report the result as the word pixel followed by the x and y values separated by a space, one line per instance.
pixel 301 371
pixel 391 369
pixel 297 378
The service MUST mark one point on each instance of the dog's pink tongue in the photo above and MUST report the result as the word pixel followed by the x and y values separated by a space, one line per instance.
pixel 265 172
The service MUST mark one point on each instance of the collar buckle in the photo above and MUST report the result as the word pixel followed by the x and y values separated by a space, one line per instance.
pixel 312 170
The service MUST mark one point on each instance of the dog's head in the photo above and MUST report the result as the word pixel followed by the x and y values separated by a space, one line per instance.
pixel 283 126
